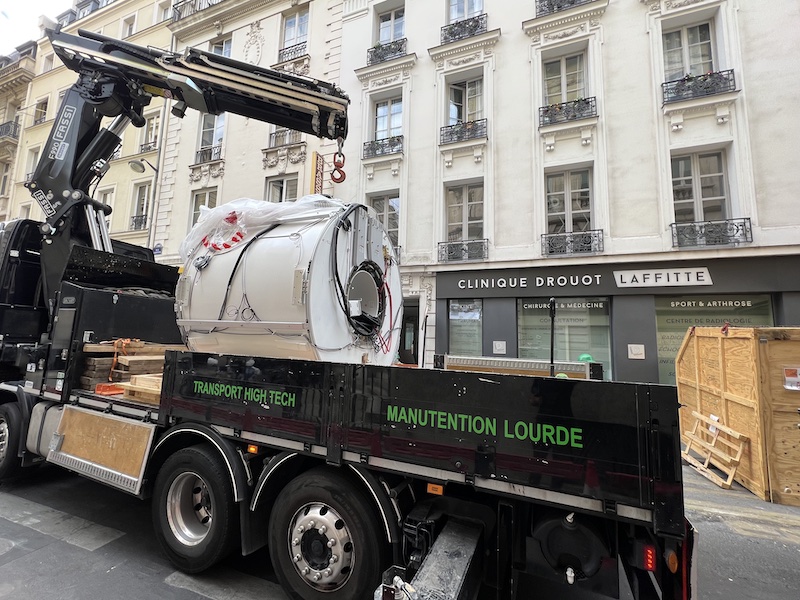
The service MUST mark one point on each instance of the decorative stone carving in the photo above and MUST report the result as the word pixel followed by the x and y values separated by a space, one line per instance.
pixel 253 46
pixel 282 157
pixel 385 81
pixel 205 172
pixel 679 3
pixel 464 60
pixel 564 33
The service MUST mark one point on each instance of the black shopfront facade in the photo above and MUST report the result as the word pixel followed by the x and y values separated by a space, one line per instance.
pixel 631 317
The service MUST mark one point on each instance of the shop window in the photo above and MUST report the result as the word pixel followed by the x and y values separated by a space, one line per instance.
pixel 676 314
pixel 465 326
pixel 388 209
pixel 203 199
pixel 582 326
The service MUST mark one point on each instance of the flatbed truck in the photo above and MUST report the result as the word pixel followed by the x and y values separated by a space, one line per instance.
pixel 363 480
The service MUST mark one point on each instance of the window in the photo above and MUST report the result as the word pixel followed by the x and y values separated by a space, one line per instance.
pixel 388 209
pixel 40 112
pixel 221 47
pixel 688 51
pixel 699 188
pixel 295 29
pixel 466 101
pixel 465 213
pixel 283 136
pixel 391 26
pixel 582 326
pixel 150 133
pixel 33 160
pixel 128 26
pixel 84 11
pixel 564 79
pixel 282 189
pixel 164 11
pixel 569 201
pixel 106 197
pixel 25 211
pixel 61 95
pixel 465 327
pixel 141 201
pixel 4 179
pixel 465 9
pixel 207 198
pixel 47 64
pixel 212 131
pixel 388 118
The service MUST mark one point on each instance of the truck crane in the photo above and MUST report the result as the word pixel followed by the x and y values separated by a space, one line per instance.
pixel 275 426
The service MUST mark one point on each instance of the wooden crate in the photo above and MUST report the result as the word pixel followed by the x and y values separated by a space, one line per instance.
pixel 738 375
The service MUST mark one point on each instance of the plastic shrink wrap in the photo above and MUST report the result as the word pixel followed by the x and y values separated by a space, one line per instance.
pixel 312 279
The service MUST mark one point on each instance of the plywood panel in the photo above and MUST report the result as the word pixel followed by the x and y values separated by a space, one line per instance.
pixel 112 442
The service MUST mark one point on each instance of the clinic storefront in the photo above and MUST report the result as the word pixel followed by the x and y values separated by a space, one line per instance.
pixel 632 317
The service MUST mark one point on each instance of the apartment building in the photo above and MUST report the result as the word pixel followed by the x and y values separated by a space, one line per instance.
pixel 632 161
pixel 131 182
pixel 16 72
pixel 627 159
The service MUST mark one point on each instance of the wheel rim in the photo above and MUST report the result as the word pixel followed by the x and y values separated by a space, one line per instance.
pixel 189 509
pixel 321 547
pixel 3 439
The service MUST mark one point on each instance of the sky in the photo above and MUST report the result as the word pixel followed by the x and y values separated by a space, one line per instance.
pixel 19 20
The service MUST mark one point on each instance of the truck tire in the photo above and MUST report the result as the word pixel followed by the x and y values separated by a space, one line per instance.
pixel 10 431
pixel 194 513
pixel 325 541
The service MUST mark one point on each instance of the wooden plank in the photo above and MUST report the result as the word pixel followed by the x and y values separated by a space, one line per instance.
pixel 146 360
pixel 146 395
pixel 152 382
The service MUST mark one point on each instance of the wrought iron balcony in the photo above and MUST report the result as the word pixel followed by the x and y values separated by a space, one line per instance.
pixel 39 120
pixel 186 8
pixel 463 131
pixel 464 29
pixel 147 147
pixel 711 233
pixel 383 52
pixel 548 7
pixel 697 86
pixel 284 137
pixel 10 129
pixel 579 242
pixel 390 145
pixel 292 52
pixel 464 251
pixel 138 222
pixel 582 108
pixel 208 154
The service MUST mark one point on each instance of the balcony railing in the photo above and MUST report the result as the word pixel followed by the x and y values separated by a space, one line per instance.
pixel 186 8
pixel 711 233
pixel 291 52
pixel 10 129
pixel 284 137
pixel 208 154
pixel 463 131
pixel 582 108
pixel 39 120
pixel 390 145
pixel 464 29
pixel 383 52
pixel 697 86
pixel 578 242
pixel 138 222
pixel 548 7
pixel 463 251
pixel 147 147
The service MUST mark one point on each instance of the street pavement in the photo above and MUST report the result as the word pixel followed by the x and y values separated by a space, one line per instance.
pixel 67 538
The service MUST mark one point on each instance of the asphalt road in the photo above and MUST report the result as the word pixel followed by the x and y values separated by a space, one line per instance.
pixel 64 537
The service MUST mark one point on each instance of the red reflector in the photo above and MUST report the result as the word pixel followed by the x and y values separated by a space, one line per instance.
pixel 649 558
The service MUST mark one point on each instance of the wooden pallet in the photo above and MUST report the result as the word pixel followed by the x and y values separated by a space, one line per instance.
pixel 143 388
pixel 716 445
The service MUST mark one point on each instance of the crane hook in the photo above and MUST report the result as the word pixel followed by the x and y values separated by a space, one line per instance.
pixel 338 175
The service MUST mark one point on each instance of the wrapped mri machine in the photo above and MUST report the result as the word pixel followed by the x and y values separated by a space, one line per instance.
pixel 312 279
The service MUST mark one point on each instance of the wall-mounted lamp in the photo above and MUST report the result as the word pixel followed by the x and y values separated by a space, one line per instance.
pixel 137 165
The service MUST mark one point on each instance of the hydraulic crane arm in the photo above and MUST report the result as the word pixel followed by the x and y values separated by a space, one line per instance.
pixel 117 80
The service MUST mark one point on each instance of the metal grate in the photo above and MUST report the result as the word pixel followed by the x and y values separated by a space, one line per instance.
pixel 582 108
pixel 464 251
pixel 579 242
pixel 465 28
pixel 697 86
pixel 463 131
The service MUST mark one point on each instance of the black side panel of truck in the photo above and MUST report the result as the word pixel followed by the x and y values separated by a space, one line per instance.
pixel 613 444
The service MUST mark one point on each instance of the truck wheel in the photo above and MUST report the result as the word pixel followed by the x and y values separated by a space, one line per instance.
pixel 10 430
pixel 194 514
pixel 325 540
